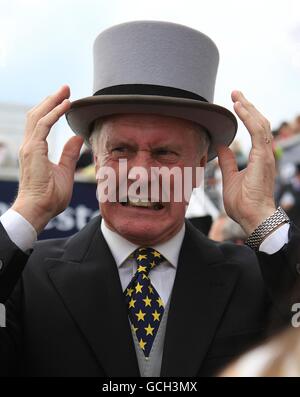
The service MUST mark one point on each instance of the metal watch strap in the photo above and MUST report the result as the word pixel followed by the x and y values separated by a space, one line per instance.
pixel 260 233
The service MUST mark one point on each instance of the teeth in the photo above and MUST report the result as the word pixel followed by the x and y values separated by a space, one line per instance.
pixel 142 203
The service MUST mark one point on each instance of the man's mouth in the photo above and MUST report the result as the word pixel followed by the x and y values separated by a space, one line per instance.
pixel 143 204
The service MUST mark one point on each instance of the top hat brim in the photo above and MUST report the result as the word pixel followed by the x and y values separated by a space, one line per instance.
pixel 219 122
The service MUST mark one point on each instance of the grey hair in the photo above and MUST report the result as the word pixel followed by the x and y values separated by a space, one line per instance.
pixel 204 138
pixel 96 130
pixel 202 133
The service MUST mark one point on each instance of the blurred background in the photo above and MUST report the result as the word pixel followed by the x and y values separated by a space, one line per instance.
pixel 44 44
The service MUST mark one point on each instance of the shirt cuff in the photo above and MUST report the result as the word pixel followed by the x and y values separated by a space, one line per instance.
pixel 276 240
pixel 19 230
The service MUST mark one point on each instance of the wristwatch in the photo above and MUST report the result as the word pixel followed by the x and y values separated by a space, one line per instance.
pixel 264 229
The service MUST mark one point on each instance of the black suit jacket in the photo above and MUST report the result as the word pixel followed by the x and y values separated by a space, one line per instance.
pixel 66 314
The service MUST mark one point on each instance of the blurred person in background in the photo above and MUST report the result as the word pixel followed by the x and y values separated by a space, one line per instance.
pixel 241 159
pixel 224 229
pixel 287 155
pixel 279 357
pixel 216 230
pixel 285 131
pixel 289 196
pixel 213 181
pixel 296 125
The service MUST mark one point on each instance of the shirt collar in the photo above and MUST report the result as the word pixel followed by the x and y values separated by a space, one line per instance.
pixel 122 248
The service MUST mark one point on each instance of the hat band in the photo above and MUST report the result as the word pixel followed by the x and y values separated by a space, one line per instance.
pixel 148 89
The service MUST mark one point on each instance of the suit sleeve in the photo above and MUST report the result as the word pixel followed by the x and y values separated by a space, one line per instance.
pixel 281 273
pixel 11 336
pixel 12 261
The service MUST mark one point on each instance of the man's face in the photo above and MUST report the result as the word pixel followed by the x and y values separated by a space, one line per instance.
pixel 147 141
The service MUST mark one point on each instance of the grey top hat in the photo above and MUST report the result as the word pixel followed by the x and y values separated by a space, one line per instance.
pixel 155 67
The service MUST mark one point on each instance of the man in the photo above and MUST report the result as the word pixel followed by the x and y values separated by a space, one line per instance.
pixel 142 292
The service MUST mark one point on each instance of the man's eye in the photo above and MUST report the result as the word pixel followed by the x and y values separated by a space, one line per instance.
pixel 165 152
pixel 119 149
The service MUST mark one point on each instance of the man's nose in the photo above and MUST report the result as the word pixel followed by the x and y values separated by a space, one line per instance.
pixel 142 160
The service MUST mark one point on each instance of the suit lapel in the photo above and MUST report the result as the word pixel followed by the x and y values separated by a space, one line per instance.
pixel 202 288
pixel 87 280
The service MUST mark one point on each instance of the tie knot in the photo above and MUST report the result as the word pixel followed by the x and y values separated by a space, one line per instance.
pixel 147 259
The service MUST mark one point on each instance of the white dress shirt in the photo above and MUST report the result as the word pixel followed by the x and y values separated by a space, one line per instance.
pixel 19 230
pixel 23 234
pixel 162 277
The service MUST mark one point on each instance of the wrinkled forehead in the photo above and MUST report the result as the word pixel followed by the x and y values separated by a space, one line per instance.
pixel 147 126
pixel 146 120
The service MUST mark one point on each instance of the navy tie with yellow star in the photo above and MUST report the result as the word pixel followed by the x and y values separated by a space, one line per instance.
pixel 145 307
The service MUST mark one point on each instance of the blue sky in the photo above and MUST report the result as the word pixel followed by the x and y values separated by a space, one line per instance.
pixel 46 43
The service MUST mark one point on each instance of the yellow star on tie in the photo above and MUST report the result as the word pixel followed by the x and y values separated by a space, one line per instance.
pixel 147 301
pixel 149 330
pixel 160 302
pixel 140 257
pixel 140 315
pixel 138 288
pixel 142 344
pixel 156 316
pixel 129 292
pixel 133 328
pixel 150 289
pixel 145 277
pixel 156 254
pixel 132 303
pixel 152 264
pixel 141 269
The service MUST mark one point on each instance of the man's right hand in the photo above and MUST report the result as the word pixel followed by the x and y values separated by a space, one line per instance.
pixel 45 188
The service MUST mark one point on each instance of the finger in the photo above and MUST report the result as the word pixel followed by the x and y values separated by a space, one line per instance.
pixel 43 108
pixel 44 125
pixel 257 132
pixel 238 96
pixel 63 92
pixel 70 154
pixel 227 162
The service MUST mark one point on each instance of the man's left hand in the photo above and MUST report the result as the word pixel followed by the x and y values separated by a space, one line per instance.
pixel 249 194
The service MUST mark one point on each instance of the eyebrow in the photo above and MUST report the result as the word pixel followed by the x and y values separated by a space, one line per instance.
pixel 165 146
pixel 116 142
pixel 110 143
